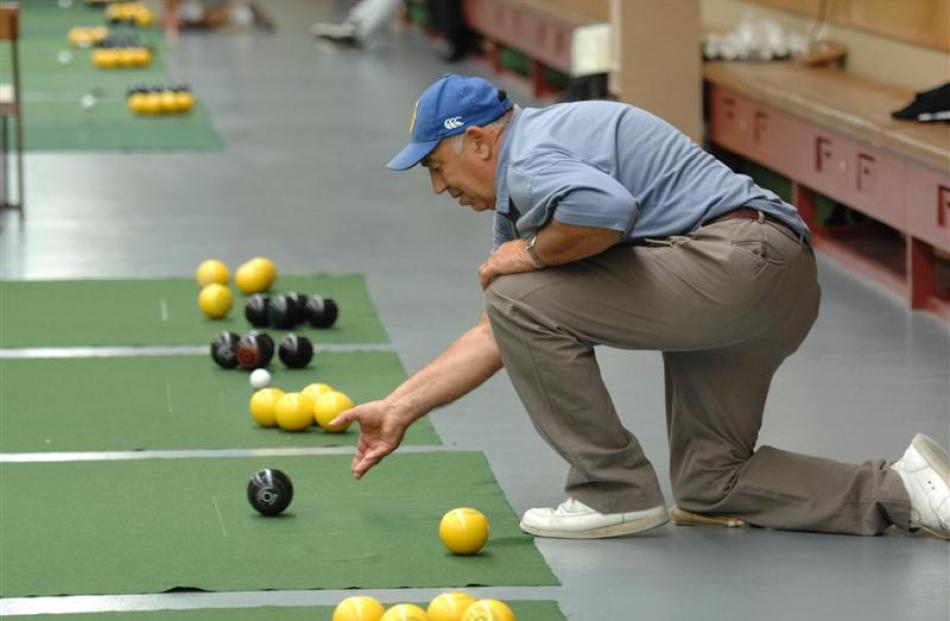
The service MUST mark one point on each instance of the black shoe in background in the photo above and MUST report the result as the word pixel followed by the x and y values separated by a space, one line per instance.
pixel 932 105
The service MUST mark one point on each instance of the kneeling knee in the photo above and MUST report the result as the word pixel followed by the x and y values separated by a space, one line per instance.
pixel 506 289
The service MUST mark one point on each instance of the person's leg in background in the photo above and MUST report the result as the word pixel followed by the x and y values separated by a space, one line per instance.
pixel 171 10
pixel 372 15
pixel 585 88
pixel 200 14
pixel 257 15
pixel 448 19
pixel 363 21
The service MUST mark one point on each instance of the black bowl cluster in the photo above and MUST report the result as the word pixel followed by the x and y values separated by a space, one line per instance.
pixel 289 310
pixel 256 350
pixel 123 21
pixel 122 42
pixel 150 88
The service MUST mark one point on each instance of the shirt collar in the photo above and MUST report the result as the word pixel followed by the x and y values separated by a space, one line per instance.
pixel 501 172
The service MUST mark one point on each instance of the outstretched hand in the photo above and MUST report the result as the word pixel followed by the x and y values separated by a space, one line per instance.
pixel 381 431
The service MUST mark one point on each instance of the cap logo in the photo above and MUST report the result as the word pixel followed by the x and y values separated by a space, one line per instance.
pixel 412 118
pixel 453 122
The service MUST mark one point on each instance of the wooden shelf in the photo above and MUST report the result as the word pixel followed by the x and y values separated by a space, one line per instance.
pixel 852 106
pixel 567 38
pixel 831 133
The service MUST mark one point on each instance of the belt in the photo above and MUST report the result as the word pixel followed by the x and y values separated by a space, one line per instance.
pixel 748 213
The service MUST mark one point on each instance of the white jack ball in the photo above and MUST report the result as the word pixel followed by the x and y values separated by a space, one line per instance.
pixel 260 378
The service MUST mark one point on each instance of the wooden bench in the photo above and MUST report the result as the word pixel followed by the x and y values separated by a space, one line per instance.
pixel 571 37
pixel 10 107
pixel 831 133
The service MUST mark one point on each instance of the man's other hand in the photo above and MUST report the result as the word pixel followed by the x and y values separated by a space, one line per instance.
pixel 510 258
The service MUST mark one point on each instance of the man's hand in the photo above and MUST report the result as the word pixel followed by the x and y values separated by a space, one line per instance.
pixel 382 428
pixel 510 258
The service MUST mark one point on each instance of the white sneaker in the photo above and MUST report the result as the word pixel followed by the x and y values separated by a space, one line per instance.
pixel 575 520
pixel 925 470
pixel 344 32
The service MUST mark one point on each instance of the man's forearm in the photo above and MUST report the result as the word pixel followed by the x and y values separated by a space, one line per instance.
pixel 560 243
pixel 465 365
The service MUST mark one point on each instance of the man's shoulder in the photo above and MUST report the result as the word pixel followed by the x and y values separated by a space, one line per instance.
pixel 593 106
pixel 561 125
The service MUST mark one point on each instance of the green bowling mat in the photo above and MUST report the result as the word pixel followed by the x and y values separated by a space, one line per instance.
pixel 147 526
pixel 172 402
pixel 53 90
pixel 160 312
pixel 526 611
pixel 48 18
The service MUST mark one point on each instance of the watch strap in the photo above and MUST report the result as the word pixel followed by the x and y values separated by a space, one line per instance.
pixel 533 251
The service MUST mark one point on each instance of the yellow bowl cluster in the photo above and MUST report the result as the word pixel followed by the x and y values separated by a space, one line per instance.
pixel 161 101
pixel 298 411
pixel 444 607
pixel 214 298
pixel 87 36
pixel 121 57
pixel 131 12
pixel 256 276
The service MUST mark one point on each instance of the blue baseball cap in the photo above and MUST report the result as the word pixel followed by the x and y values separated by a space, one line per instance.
pixel 446 108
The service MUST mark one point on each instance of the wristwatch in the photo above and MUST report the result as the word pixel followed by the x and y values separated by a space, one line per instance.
pixel 533 252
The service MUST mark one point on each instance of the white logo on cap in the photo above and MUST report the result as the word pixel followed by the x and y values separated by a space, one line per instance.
pixel 453 122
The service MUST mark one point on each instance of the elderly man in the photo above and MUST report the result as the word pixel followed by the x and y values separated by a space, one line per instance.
pixel 611 227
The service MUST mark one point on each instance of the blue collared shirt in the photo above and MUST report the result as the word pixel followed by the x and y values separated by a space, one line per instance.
pixel 611 165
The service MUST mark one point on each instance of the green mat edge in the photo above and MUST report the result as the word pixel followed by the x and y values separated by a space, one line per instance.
pixel 427 426
pixel 554 578
pixel 316 612
pixel 30 10
pixel 50 281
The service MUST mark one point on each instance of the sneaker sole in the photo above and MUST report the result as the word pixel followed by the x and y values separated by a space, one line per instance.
pixel 659 518
pixel 681 517
pixel 945 535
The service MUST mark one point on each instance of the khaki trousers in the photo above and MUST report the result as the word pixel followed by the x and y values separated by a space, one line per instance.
pixel 726 305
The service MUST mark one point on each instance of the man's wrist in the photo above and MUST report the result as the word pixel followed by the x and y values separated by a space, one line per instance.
pixel 532 249
pixel 403 409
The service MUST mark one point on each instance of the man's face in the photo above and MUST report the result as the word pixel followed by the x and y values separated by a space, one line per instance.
pixel 468 176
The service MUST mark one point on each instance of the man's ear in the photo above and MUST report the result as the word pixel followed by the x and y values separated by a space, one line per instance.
pixel 478 137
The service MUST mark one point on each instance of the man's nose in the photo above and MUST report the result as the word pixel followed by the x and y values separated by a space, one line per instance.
pixel 438 185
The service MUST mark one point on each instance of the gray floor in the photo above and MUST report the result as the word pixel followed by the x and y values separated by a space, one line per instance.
pixel 308 129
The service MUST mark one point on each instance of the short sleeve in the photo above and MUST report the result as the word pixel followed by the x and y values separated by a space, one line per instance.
pixel 572 192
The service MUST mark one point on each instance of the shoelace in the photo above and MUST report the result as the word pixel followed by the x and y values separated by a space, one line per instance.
pixel 570 506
